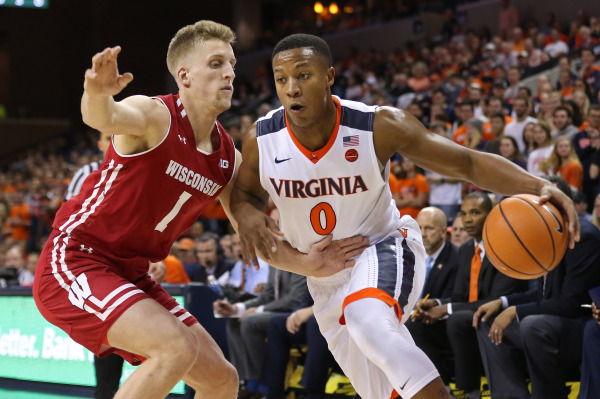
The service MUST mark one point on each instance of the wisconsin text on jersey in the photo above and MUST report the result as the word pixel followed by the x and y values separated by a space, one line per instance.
pixel 319 187
pixel 192 179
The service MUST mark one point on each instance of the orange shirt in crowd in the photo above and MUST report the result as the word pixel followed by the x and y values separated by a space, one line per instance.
pixel 409 188
pixel 572 172
pixel 21 212
pixel 460 135
pixel 214 211
pixel 487 133
pixel 175 271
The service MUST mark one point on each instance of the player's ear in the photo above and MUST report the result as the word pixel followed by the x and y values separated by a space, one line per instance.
pixel 330 76
pixel 182 76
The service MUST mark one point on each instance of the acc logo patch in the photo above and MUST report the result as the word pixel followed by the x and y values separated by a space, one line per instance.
pixel 351 155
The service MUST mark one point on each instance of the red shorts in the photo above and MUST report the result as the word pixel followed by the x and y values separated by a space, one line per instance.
pixel 82 292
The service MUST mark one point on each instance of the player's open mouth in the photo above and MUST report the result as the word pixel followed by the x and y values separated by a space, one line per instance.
pixel 296 108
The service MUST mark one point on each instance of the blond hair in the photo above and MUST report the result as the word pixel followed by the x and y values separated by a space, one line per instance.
pixel 553 163
pixel 192 37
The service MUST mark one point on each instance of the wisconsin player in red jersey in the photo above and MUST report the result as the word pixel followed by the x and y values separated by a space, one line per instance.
pixel 315 140
pixel 168 160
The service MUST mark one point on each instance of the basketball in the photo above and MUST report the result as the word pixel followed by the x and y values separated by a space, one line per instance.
pixel 524 239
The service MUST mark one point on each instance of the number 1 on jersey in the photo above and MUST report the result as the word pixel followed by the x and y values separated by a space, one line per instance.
pixel 162 225
pixel 330 219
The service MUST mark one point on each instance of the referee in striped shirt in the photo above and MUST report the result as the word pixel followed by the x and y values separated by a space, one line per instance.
pixel 82 173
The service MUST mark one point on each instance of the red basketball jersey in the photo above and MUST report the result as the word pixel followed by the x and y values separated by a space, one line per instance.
pixel 135 206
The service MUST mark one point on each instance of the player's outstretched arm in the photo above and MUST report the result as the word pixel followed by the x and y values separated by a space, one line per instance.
pixel 136 115
pixel 260 236
pixel 398 131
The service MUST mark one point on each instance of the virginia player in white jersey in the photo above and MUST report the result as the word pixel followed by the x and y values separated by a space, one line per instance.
pixel 324 162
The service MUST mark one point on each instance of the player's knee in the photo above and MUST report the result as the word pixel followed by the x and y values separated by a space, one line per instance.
pixel 221 377
pixel 181 352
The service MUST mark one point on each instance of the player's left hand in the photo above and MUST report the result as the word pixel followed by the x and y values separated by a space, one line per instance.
pixel 258 233
pixel 501 323
pixel 327 257
pixel 551 193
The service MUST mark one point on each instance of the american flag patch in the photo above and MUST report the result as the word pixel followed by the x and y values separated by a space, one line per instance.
pixel 350 141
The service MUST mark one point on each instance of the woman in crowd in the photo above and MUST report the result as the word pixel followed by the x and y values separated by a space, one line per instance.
pixel 543 139
pixel 564 162
pixel 510 150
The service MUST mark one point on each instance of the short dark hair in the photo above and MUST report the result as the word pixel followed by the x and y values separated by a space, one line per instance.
pixel 562 108
pixel 561 184
pixel 499 116
pixel 487 202
pixel 523 98
pixel 300 40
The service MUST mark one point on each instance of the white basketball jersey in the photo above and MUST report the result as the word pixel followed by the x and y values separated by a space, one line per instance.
pixel 337 190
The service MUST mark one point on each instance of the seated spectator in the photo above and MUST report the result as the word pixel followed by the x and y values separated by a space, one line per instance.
pixel 539 332
pixel 19 219
pixel 247 330
pixel 563 162
pixel 556 46
pixel 441 267
pixel 590 71
pixel 175 271
pixel 15 259
pixel 510 151
pixel 590 373
pixel 464 112
pixel 26 277
pixel 542 137
pixel 458 234
pixel 563 125
pixel 212 260
pixel 528 140
pixel 522 118
pixel 419 81
pixel 185 251
pixel 468 294
pixel 581 206
pixel 245 283
pixel 565 85
pixel 285 330
pixel 474 139
pixel 410 189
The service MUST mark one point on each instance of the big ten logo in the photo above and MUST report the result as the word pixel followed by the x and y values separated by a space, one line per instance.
pixel 223 163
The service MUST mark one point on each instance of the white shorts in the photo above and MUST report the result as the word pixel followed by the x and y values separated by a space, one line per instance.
pixel 392 270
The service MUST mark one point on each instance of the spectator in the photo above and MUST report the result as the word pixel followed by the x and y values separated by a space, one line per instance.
pixel 528 139
pixel 477 281
pixel 474 139
pixel 596 212
pixel 247 330
pixel 441 267
pixel 419 81
pixel 563 162
pixel 464 112
pixel 410 189
pixel 245 283
pixel 515 128
pixel 543 139
pixel 563 123
pixel 590 374
pixel 14 258
pixel 508 18
pixel 458 235
pixel 226 243
pixel 514 79
pixel 212 260
pixel 587 147
pixel 581 206
pixel 565 85
pixel 174 271
pixel 495 106
pixel 510 151
pixel 539 332
pixel 285 330
pixel 590 71
pixel 19 218
pixel 556 46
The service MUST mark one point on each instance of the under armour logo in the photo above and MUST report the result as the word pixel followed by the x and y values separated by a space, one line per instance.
pixel 83 248
pixel 182 139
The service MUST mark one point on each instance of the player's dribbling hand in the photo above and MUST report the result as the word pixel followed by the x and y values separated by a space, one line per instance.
pixel 551 193
pixel 327 257
pixel 103 77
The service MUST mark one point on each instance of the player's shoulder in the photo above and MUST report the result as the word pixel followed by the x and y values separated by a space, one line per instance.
pixel 357 115
pixel 272 122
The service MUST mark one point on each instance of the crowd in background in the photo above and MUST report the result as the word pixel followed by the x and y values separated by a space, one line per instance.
pixel 467 86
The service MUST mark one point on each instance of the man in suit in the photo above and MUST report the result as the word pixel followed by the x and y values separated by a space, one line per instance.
pixel 211 259
pixel 299 327
pixel 247 330
pixel 477 282
pixel 540 332
pixel 441 267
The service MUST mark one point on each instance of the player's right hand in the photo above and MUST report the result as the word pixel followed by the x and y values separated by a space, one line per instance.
pixel 103 78
pixel 258 233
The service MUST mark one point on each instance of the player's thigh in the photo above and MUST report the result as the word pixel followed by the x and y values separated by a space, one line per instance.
pixel 148 329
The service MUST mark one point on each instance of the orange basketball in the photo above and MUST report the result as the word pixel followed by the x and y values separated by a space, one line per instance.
pixel 524 239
